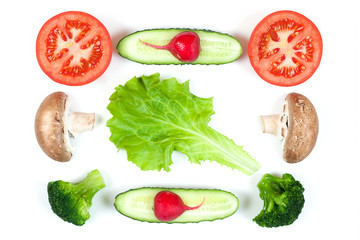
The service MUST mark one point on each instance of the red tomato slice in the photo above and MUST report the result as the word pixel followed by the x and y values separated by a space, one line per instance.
pixel 285 48
pixel 73 48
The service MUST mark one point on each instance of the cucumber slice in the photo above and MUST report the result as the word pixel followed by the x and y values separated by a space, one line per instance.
pixel 216 48
pixel 138 204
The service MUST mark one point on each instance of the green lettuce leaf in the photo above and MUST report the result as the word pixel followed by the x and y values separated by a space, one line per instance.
pixel 153 118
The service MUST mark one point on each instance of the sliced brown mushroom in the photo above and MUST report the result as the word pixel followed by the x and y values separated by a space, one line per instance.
pixel 55 123
pixel 297 126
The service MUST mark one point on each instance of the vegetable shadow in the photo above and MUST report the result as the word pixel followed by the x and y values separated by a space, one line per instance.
pixel 250 203
pixel 116 37
pixel 109 197
pixel 244 41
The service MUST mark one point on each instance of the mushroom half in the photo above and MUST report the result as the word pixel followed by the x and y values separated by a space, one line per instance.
pixel 297 126
pixel 55 123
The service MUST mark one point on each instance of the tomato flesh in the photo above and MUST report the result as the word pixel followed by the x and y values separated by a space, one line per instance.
pixel 73 48
pixel 285 48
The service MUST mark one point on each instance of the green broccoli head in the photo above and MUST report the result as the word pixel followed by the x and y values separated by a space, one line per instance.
pixel 283 200
pixel 72 201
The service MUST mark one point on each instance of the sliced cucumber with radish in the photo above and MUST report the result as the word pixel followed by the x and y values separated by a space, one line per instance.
pixel 176 205
pixel 179 46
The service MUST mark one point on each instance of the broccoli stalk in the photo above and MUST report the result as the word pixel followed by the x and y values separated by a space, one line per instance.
pixel 283 200
pixel 72 201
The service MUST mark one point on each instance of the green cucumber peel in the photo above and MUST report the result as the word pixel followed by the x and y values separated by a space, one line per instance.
pixel 138 204
pixel 215 47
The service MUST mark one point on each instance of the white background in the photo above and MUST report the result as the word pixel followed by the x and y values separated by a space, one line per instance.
pixel 330 174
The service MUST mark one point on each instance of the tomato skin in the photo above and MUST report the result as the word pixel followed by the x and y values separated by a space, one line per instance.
pixel 262 65
pixel 54 69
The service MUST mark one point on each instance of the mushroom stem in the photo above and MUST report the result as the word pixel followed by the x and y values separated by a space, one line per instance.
pixel 80 122
pixel 272 124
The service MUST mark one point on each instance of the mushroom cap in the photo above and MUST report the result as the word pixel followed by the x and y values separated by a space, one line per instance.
pixel 303 128
pixel 50 127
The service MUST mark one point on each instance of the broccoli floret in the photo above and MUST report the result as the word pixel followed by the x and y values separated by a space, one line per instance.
pixel 283 200
pixel 72 201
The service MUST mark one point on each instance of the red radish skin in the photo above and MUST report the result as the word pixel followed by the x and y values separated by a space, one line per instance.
pixel 169 206
pixel 184 46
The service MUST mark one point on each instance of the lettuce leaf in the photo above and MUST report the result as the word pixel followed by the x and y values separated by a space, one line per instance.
pixel 153 118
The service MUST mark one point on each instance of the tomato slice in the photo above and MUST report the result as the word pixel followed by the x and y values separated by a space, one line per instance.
pixel 285 48
pixel 73 48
